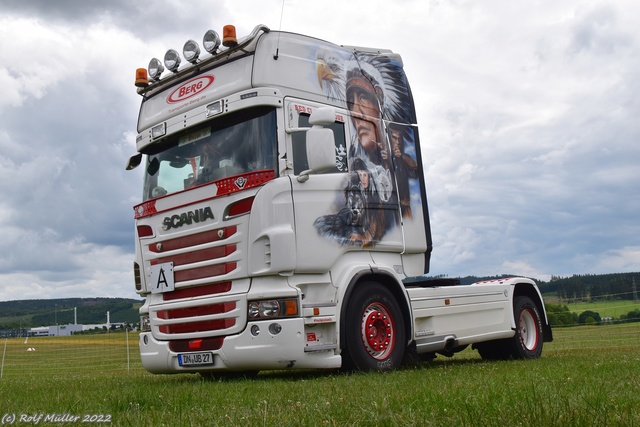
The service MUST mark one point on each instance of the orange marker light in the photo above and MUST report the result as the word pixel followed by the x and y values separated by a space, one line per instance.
pixel 229 36
pixel 291 307
pixel 141 78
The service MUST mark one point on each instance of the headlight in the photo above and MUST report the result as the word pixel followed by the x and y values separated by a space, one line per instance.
pixel 172 60
pixel 155 69
pixel 211 41
pixel 271 309
pixel 191 51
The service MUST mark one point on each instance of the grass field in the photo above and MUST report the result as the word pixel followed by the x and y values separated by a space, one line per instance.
pixel 588 376
pixel 612 308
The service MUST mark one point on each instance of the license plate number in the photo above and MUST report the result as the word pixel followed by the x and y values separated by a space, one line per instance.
pixel 195 359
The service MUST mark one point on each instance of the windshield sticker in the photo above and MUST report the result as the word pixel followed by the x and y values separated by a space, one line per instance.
pixel 194 136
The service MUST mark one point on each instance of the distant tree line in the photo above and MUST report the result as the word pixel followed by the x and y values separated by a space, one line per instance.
pixel 559 315
pixel 623 286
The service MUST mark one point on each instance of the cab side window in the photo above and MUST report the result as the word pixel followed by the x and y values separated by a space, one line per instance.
pixel 300 162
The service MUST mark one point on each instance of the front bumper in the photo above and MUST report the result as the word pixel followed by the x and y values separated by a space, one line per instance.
pixel 245 351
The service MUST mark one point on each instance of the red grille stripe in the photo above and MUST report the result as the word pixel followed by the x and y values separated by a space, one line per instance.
pixel 202 272
pixel 203 310
pixel 198 291
pixel 206 325
pixel 195 239
pixel 197 256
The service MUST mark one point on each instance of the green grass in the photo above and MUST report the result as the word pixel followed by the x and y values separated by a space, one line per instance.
pixel 589 376
pixel 611 308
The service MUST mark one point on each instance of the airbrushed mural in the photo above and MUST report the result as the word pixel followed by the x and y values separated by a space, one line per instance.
pixel 381 188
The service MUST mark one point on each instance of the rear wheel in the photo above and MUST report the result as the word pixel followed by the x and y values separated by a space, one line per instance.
pixel 527 341
pixel 374 329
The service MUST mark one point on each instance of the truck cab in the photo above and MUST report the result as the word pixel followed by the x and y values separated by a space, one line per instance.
pixel 284 210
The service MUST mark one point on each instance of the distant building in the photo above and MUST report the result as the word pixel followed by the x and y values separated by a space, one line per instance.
pixel 68 330
pixel 55 331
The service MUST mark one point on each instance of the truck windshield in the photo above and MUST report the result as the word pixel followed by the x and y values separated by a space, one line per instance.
pixel 234 144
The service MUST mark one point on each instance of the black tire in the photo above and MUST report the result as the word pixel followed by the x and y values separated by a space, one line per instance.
pixel 527 342
pixel 374 329
pixel 494 350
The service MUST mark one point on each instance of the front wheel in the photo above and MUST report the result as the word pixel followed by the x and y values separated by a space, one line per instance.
pixel 374 329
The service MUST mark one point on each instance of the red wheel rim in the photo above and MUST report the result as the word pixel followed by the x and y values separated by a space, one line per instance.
pixel 378 331
pixel 528 330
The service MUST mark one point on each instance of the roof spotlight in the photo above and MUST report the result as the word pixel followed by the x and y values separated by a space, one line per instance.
pixel 191 51
pixel 211 41
pixel 155 69
pixel 172 60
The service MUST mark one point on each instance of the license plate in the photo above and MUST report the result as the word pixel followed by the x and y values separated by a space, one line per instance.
pixel 195 359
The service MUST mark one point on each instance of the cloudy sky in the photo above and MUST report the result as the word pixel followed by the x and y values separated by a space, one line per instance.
pixel 529 117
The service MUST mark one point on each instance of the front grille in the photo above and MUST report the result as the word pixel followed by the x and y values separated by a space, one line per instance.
pixel 202 310
pixel 203 326
pixel 201 305
pixel 193 240
pixel 174 249
pixel 197 291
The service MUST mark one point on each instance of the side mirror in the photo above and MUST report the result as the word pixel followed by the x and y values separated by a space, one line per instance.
pixel 134 161
pixel 323 116
pixel 321 151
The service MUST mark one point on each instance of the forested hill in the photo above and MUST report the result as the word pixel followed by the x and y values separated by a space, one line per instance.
pixel 624 286
pixel 47 312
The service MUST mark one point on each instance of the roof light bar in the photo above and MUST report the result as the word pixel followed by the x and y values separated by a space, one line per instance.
pixel 211 41
pixel 155 69
pixel 172 60
pixel 191 51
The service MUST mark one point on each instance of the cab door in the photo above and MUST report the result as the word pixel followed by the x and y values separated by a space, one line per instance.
pixel 343 209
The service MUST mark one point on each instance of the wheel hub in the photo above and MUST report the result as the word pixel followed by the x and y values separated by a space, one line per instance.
pixel 377 331
pixel 528 330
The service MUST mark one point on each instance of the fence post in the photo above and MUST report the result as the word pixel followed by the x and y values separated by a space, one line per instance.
pixel 3 353
pixel 128 359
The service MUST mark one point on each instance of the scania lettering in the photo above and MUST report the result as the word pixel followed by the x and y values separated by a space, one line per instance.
pixel 284 223
pixel 178 220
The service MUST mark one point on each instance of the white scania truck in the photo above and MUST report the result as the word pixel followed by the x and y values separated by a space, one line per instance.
pixel 284 221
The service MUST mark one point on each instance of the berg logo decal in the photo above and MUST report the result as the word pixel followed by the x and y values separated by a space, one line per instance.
pixel 190 88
